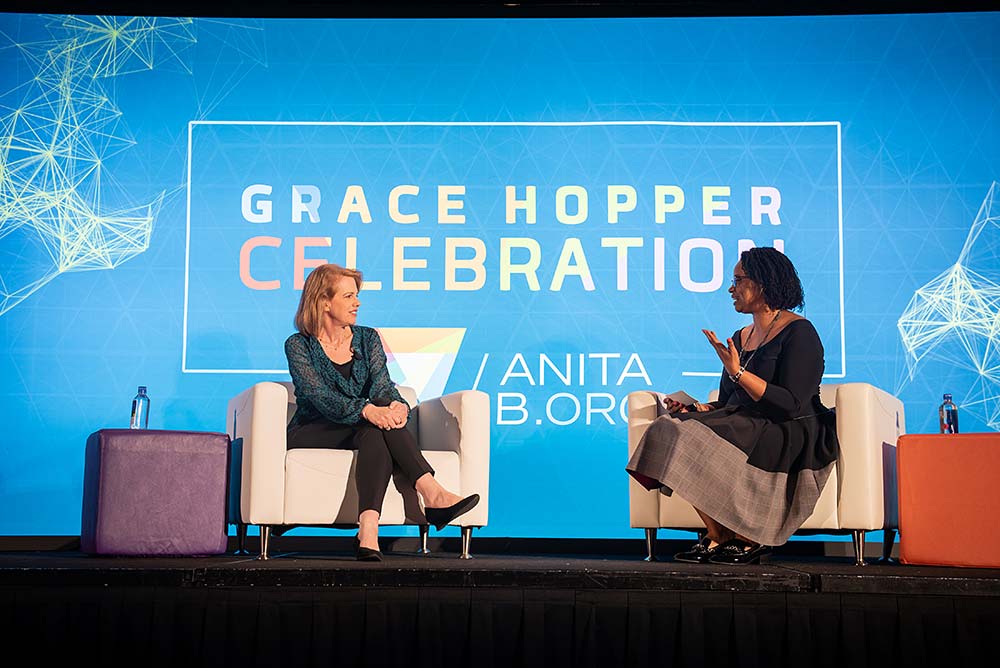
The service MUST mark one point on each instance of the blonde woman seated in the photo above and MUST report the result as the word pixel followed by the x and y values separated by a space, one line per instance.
pixel 346 400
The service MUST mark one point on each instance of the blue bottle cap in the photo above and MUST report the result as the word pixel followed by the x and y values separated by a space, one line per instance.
pixel 142 389
pixel 947 397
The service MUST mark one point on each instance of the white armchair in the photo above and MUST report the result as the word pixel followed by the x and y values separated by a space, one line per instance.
pixel 274 487
pixel 859 496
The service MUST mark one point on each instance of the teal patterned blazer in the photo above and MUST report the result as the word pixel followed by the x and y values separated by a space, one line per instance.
pixel 322 392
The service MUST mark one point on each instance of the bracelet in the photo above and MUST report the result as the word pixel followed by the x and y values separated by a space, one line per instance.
pixel 736 378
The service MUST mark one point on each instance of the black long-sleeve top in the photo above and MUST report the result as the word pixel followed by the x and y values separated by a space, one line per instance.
pixel 792 366
pixel 788 429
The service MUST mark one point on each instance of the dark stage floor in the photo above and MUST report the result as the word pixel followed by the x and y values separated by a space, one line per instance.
pixel 321 607
pixel 802 574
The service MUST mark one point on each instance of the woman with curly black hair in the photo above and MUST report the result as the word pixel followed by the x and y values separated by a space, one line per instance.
pixel 754 462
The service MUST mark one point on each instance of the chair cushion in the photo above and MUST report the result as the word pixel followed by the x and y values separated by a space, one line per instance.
pixel 320 488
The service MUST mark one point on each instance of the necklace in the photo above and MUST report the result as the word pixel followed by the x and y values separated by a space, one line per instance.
pixel 334 343
pixel 767 333
pixel 333 348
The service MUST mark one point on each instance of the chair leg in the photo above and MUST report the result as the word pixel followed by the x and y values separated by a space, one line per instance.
pixel 424 530
pixel 650 545
pixel 859 547
pixel 888 538
pixel 466 540
pixel 241 539
pixel 265 538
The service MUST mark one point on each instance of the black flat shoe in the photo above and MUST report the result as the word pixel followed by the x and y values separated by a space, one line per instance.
pixel 440 517
pixel 699 553
pixel 738 552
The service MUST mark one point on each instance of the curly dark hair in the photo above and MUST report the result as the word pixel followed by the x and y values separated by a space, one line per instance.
pixel 776 276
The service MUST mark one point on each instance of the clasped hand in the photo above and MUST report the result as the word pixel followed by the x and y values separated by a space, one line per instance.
pixel 393 416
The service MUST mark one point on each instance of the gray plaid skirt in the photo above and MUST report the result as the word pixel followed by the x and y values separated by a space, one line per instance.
pixel 714 475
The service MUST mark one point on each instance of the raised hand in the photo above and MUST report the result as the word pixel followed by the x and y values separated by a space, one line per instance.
pixel 726 351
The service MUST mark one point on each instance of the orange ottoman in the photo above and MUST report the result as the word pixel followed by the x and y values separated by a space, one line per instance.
pixel 949 499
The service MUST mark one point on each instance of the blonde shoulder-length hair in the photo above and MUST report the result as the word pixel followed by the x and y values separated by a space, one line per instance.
pixel 319 286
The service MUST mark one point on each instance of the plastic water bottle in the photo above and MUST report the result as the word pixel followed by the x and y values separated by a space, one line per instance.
pixel 948 416
pixel 140 410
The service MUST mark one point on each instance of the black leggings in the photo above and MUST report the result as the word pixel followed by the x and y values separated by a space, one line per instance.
pixel 378 450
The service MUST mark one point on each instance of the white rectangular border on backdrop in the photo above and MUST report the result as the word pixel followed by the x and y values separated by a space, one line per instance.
pixel 840 203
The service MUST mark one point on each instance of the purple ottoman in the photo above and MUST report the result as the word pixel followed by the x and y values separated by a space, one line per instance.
pixel 154 492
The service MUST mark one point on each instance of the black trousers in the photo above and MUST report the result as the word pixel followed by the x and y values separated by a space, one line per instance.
pixel 379 450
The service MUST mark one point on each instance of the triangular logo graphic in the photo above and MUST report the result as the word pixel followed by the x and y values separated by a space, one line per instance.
pixel 422 357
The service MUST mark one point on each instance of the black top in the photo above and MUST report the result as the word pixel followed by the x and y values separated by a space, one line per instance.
pixel 344 368
pixel 788 429
pixel 792 365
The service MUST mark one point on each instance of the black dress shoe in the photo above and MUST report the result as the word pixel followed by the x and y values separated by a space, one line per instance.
pixel 440 517
pixel 738 552
pixel 368 554
pixel 365 553
pixel 699 553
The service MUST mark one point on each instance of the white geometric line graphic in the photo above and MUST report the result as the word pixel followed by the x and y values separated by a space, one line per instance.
pixel 956 316
pixel 53 186
pixel 60 209
pixel 115 45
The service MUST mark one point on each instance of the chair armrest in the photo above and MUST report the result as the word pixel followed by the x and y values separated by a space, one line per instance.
pixel 869 423
pixel 257 419
pixel 644 505
pixel 460 422
pixel 409 395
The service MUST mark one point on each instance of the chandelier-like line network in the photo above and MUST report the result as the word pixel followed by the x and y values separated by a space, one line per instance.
pixel 956 316
pixel 60 209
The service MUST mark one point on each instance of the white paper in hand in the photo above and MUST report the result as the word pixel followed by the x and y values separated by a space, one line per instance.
pixel 681 397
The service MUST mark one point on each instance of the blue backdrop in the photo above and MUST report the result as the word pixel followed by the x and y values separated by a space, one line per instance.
pixel 547 210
